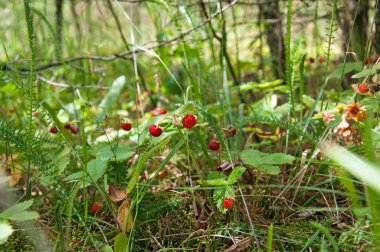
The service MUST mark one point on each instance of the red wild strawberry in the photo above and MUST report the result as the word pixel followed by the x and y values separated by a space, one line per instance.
pixel 74 130
pixel 321 59
pixel 95 208
pixel 367 61
pixel 126 126
pixel 158 111
pixel 363 88
pixel 230 132
pixel 189 121
pixel 155 130
pixel 53 130
pixel 214 145
pixel 228 203
pixel 67 126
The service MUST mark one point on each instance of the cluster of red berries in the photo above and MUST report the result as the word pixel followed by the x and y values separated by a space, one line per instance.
pixel 67 126
pixel 188 122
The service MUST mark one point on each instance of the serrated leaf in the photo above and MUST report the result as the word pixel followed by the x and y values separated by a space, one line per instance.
pixel 24 215
pixel 269 169
pixel 220 194
pixel 265 162
pixel 364 73
pixel 15 209
pixel 235 175
pixel 213 182
pixel 96 168
pixel 216 175
pixel 277 158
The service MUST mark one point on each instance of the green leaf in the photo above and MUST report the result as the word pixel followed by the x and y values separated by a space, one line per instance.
pixel 24 215
pixel 269 169
pixel 267 163
pixel 363 170
pixel 216 175
pixel 96 169
pixel 74 176
pixel 213 182
pixel 277 158
pixel 220 194
pixel 364 73
pixel 235 175
pixel 121 243
pixel 15 209
pixel 110 100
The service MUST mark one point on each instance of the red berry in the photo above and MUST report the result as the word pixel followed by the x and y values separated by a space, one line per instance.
pixel 363 88
pixel 126 126
pixel 95 208
pixel 155 130
pixel 67 126
pixel 230 132
pixel 321 59
pixel 367 61
pixel 228 203
pixel 74 130
pixel 189 121
pixel 214 145
pixel 53 130
pixel 158 111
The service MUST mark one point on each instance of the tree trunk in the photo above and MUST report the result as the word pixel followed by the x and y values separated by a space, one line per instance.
pixel 58 23
pixel 377 24
pixel 359 34
pixel 273 29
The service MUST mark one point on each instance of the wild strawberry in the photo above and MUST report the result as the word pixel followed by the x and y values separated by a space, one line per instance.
pixel 126 126
pixel 95 208
pixel 158 111
pixel 367 61
pixel 74 130
pixel 363 88
pixel 67 126
pixel 53 130
pixel 155 130
pixel 189 121
pixel 214 145
pixel 321 59
pixel 230 132
pixel 228 203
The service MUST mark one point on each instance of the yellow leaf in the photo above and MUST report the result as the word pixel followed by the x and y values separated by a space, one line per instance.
pixel 124 216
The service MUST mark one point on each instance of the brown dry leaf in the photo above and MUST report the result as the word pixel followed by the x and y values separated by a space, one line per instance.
pixel 116 194
pixel 16 175
pixel 240 245
pixel 122 214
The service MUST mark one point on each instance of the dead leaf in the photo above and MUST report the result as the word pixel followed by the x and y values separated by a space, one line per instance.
pixel 124 216
pixel 240 246
pixel 116 194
